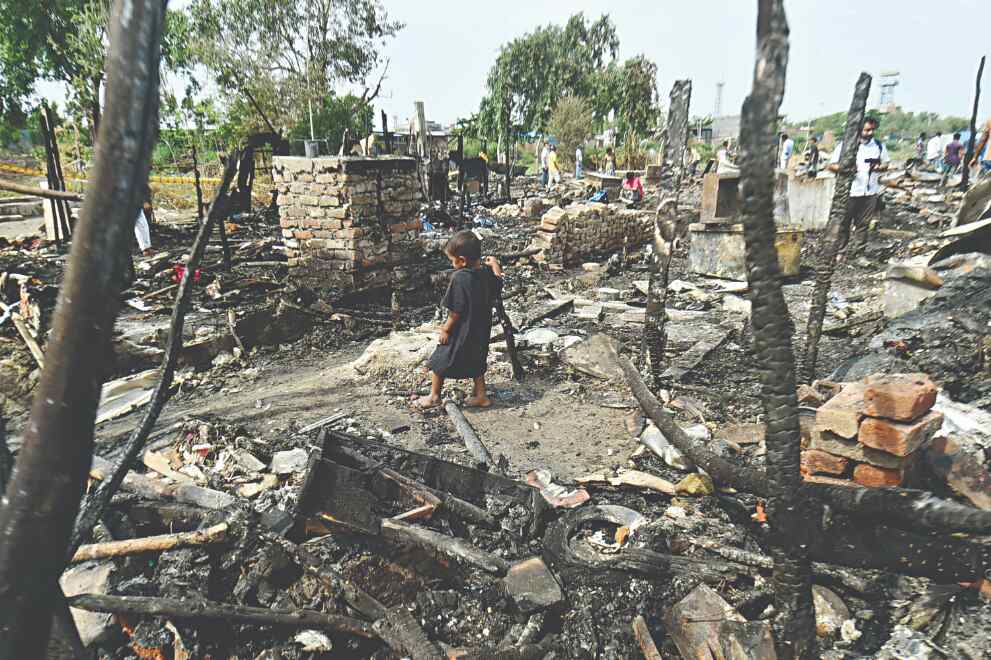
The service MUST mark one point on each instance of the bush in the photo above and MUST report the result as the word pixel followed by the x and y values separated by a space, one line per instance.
pixel 571 123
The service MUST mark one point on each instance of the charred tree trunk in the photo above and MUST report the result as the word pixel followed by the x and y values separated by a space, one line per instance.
pixel 654 339
pixel 965 181
pixel 43 497
pixel 97 500
pixel 837 227
pixel 792 523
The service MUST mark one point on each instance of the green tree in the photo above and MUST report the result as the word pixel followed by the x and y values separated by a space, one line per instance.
pixel 531 73
pixel 571 124
pixel 285 55
pixel 66 41
pixel 332 116
pixel 33 46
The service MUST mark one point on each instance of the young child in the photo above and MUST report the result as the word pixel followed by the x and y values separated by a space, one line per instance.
pixel 464 337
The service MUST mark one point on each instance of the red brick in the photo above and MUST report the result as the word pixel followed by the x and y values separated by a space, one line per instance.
pixel 843 412
pixel 815 461
pixel 877 477
pixel 899 438
pixel 302 235
pixel 901 397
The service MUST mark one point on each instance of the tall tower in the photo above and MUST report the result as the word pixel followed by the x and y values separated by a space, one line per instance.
pixel 717 110
pixel 889 80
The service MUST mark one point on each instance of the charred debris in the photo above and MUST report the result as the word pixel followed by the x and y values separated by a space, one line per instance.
pixel 789 457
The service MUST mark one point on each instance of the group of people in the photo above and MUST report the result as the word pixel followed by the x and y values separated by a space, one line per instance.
pixel 946 155
pixel 943 154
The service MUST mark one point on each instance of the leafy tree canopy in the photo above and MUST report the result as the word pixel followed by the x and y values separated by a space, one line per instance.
pixel 285 55
pixel 534 71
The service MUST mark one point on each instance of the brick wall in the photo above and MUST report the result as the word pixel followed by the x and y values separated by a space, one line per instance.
pixel 345 220
pixel 582 229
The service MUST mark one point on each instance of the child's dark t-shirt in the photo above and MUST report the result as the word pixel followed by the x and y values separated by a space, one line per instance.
pixel 471 294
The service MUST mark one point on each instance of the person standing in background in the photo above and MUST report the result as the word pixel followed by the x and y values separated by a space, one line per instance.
pixel 952 155
pixel 609 163
pixel 812 157
pixel 865 190
pixel 920 148
pixel 544 153
pixel 983 146
pixel 934 151
pixel 787 148
pixel 578 162
pixel 553 168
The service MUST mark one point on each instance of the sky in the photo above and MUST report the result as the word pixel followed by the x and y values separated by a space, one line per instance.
pixel 444 53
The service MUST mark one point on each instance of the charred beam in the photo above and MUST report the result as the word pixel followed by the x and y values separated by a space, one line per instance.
pixel 186 610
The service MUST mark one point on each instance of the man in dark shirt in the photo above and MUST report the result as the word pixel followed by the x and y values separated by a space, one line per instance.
pixel 953 155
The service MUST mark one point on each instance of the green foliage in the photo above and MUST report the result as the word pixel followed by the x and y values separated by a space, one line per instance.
pixel 280 55
pixel 899 125
pixel 571 124
pixel 332 117
pixel 533 72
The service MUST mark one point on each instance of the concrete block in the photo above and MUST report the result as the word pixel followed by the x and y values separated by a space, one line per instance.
pixel 719 251
pixel 720 197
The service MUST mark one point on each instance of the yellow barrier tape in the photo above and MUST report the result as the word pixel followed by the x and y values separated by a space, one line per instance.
pixel 26 171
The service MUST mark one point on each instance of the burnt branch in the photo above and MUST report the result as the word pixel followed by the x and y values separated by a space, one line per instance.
pixel 44 495
pixel 721 470
pixel 837 227
pixel 965 181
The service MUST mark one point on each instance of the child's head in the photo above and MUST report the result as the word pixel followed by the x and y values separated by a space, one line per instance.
pixel 464 249
pixel 630 175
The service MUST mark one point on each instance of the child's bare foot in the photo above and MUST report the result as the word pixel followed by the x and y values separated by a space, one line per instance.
pixel 425 402
pixel 478 402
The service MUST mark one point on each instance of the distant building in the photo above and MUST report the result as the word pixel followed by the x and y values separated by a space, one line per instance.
pixel 724 128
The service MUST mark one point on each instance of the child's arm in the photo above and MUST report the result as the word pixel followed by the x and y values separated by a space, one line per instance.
pixel 493 263
pixel 445 329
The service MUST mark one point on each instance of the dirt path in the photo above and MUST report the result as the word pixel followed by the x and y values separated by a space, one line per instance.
pixel 545 423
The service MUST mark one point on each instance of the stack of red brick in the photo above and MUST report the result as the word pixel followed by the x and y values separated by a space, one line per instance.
pixel 872 432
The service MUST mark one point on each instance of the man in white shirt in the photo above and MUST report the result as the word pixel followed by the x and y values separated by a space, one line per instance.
pixel 872 159
pixel 578 162
pixel 724 164
pixel 787 147
pixel 934 151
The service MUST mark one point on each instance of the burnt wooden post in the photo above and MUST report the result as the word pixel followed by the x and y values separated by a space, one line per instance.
pixel 837 227
pixel 52 466
pixel 666 230
pixel 423 143
pixel 59 175
pixel 461 174
pixel 199 189
pixel 792 516
pixel 59 207
pixel 509 164
pixel 386 133
pixel 965 181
